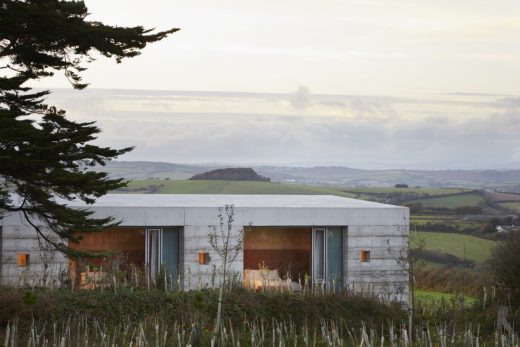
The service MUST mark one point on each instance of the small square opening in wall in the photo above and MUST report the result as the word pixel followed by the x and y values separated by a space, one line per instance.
pixel 203 258
pixel 364 256
pixel 23 259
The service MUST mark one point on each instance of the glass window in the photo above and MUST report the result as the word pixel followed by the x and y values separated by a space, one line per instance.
pixel 319 255
pixel 334 256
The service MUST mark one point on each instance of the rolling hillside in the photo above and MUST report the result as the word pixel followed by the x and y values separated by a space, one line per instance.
pixel 226 187
pixel 502 180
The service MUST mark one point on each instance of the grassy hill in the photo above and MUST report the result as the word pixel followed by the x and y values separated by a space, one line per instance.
pixel 502 180
pixel 226 187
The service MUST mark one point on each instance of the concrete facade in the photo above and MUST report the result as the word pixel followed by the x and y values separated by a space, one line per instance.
pixel 368 226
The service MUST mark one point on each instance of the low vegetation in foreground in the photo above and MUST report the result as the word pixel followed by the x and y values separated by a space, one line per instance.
pixel 138 317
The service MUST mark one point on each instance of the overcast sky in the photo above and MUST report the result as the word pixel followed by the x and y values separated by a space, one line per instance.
pixel 393 83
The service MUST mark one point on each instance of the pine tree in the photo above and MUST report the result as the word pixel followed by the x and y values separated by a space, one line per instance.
pixel 45 158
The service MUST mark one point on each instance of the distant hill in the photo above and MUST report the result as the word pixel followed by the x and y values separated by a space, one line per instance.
pixel 231 174
pixel 500 180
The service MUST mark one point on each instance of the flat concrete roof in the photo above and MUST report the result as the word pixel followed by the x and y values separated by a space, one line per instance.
pixel 219 200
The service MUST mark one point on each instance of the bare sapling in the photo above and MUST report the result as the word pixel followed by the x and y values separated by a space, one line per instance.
pixel 227 244
pixel 408 258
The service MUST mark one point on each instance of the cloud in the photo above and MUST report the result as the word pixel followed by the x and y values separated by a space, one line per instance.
pixel 511 104
pixel 376 130
pixel 301 99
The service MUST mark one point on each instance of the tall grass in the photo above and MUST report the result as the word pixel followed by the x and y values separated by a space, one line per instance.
pixel 84 332
pixel 134 308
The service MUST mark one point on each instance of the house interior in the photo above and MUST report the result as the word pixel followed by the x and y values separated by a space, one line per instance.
pixel 274 257
pixel 277 256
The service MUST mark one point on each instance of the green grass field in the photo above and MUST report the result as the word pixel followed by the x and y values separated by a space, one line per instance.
pixel 418 191
pixel 462 246
pixel 229 187
pixel 515 206
pixel 453 201
pixel 431 298
pixel 253 187
pixel 454 220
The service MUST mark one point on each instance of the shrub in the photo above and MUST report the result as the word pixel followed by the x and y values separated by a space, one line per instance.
pixel 238 305
pixel 445 258
pixel 453 280
pixel 462 210
pixel 504 264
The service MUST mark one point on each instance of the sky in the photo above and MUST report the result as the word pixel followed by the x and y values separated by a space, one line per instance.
pixel 362 83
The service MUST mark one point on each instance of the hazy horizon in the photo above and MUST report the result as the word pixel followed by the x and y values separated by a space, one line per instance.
pixel 394 84
pixel 356 166
pixel 302 128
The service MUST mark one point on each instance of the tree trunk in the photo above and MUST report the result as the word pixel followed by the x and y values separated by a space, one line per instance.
pixel 219 307
pixel 411 308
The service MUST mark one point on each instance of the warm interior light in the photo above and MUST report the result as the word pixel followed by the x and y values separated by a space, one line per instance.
pixel 203 258
pixel 23 259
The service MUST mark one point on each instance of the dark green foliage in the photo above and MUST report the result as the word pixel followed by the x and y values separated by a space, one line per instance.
pixel 463 210
pixel 415 207
pixel 455 280
pixel 445 258
pixel 241 308
pixel 29 298
pixel 231 174
pixel 44 157
pixel 445 226
pixel 238 305
pixel 492 224
pixel 504 264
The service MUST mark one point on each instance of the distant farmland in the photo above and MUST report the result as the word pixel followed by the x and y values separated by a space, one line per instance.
pixel 419 191
pixel 227 187
pixel 452 201
pixel 515 206
pixel 462 246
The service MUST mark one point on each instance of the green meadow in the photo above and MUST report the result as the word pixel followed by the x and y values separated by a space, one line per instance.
pixel 452 201
pixel 431 298
pixel 228 187
pixel 463 246
pixel 515 206
pixel 418 191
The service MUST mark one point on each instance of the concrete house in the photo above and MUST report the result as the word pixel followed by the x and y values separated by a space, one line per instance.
pixel 327 240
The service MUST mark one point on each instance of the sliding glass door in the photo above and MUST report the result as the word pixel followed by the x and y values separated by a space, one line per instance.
pixel 327 256
pixel 163 251
pixel 318 255
pixel 334 256
pixel 153 254
pixel 171 252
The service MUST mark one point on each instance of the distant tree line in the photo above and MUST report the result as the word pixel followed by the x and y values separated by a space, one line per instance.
pixel 504 264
